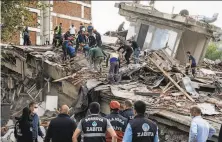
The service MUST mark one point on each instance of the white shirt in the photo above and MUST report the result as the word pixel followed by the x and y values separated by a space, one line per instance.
pixel 72 30
pixel 200 130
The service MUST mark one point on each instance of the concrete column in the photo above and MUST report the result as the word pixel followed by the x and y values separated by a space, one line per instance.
pixel 82 11
pixel 179 35
pixel 21 38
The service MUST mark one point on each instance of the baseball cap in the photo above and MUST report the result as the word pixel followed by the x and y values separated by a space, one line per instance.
pixel 114 105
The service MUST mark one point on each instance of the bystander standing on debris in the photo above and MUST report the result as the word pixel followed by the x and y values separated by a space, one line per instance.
pixel 61 128
pixel 72 30
pixel 90 29
pixel 82 27
pixel 98 38
pixel 118 122
pixel 36 131
pixel 141 129
pixel 128 110
pixel 126 48
pixel 94 127
pixel 23 127
pixel 191 65
pixel 26 36
pixel 114 60
pixel 200 130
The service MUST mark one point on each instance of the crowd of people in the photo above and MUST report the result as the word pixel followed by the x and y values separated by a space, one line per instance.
pixel 125 123
pixel 88 40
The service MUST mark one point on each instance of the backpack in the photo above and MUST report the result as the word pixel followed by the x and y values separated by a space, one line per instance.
pixel 17 130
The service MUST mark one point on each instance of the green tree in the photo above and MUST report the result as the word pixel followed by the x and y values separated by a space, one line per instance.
pixel 212 52
pixel 15 16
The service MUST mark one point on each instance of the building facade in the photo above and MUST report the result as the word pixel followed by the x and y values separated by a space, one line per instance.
pixel 175 34
pixel 65 12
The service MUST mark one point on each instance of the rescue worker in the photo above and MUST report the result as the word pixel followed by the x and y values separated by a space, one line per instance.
pixel 191 64
pixel 128 110
pixel 97 55
pixel 141 129
pixel 118 122
pixel 67 48
pixel 136 51
pixel 114 60
pixel 126 48
pixel 121 27
pixel 94 127
pixel 98 38
pixel 58 35
pixel 83 42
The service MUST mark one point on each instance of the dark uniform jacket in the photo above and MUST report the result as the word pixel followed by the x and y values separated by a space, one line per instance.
pixel 119 124
pixel 61 129
pixel 128 113
pixel 94 128
pixel 143 129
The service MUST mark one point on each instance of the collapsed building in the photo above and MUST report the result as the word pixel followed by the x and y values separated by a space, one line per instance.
pixel 37 73
pixel 154 30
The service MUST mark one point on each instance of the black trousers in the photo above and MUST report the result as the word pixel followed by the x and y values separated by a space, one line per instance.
pixel 193 69
pixel 127 57
pixel 26 40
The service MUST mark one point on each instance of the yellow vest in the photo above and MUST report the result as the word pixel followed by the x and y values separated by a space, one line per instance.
pixel 114 55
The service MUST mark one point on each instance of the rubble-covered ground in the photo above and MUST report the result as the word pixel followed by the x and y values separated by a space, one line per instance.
pixel 158 80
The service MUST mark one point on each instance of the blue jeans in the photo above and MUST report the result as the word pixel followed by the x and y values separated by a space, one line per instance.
pixel 86 50
pixel 136 55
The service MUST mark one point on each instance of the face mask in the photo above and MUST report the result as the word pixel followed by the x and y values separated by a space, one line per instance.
pixel 191 116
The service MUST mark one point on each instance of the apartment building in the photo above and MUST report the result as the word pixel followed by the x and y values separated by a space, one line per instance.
pixel 65 12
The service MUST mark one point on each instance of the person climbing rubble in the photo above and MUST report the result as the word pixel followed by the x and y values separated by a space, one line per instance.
pixel 118 122
pixel 128 49
pixel 97 56
pixel 67 48
pixel 136 50
pixel 113 58
pixel 191 65
pixel 121 27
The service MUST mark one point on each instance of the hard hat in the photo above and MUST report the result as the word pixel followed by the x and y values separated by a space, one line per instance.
pixel 114 105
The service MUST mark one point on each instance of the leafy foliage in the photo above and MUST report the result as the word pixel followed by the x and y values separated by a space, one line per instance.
pixel 212 52
pixel 15 16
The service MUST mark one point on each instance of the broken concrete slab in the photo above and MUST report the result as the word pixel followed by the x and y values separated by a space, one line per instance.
pixel 208 109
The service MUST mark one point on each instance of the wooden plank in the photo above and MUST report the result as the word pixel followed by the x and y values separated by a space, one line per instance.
pixel 166 74
pixel 64 78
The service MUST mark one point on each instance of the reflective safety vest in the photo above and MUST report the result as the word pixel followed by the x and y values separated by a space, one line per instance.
pixel 58 30
pixel 143 130
pixel 94 128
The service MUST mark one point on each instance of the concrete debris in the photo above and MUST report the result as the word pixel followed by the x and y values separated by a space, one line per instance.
pixel 208 109
pixel 38 73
